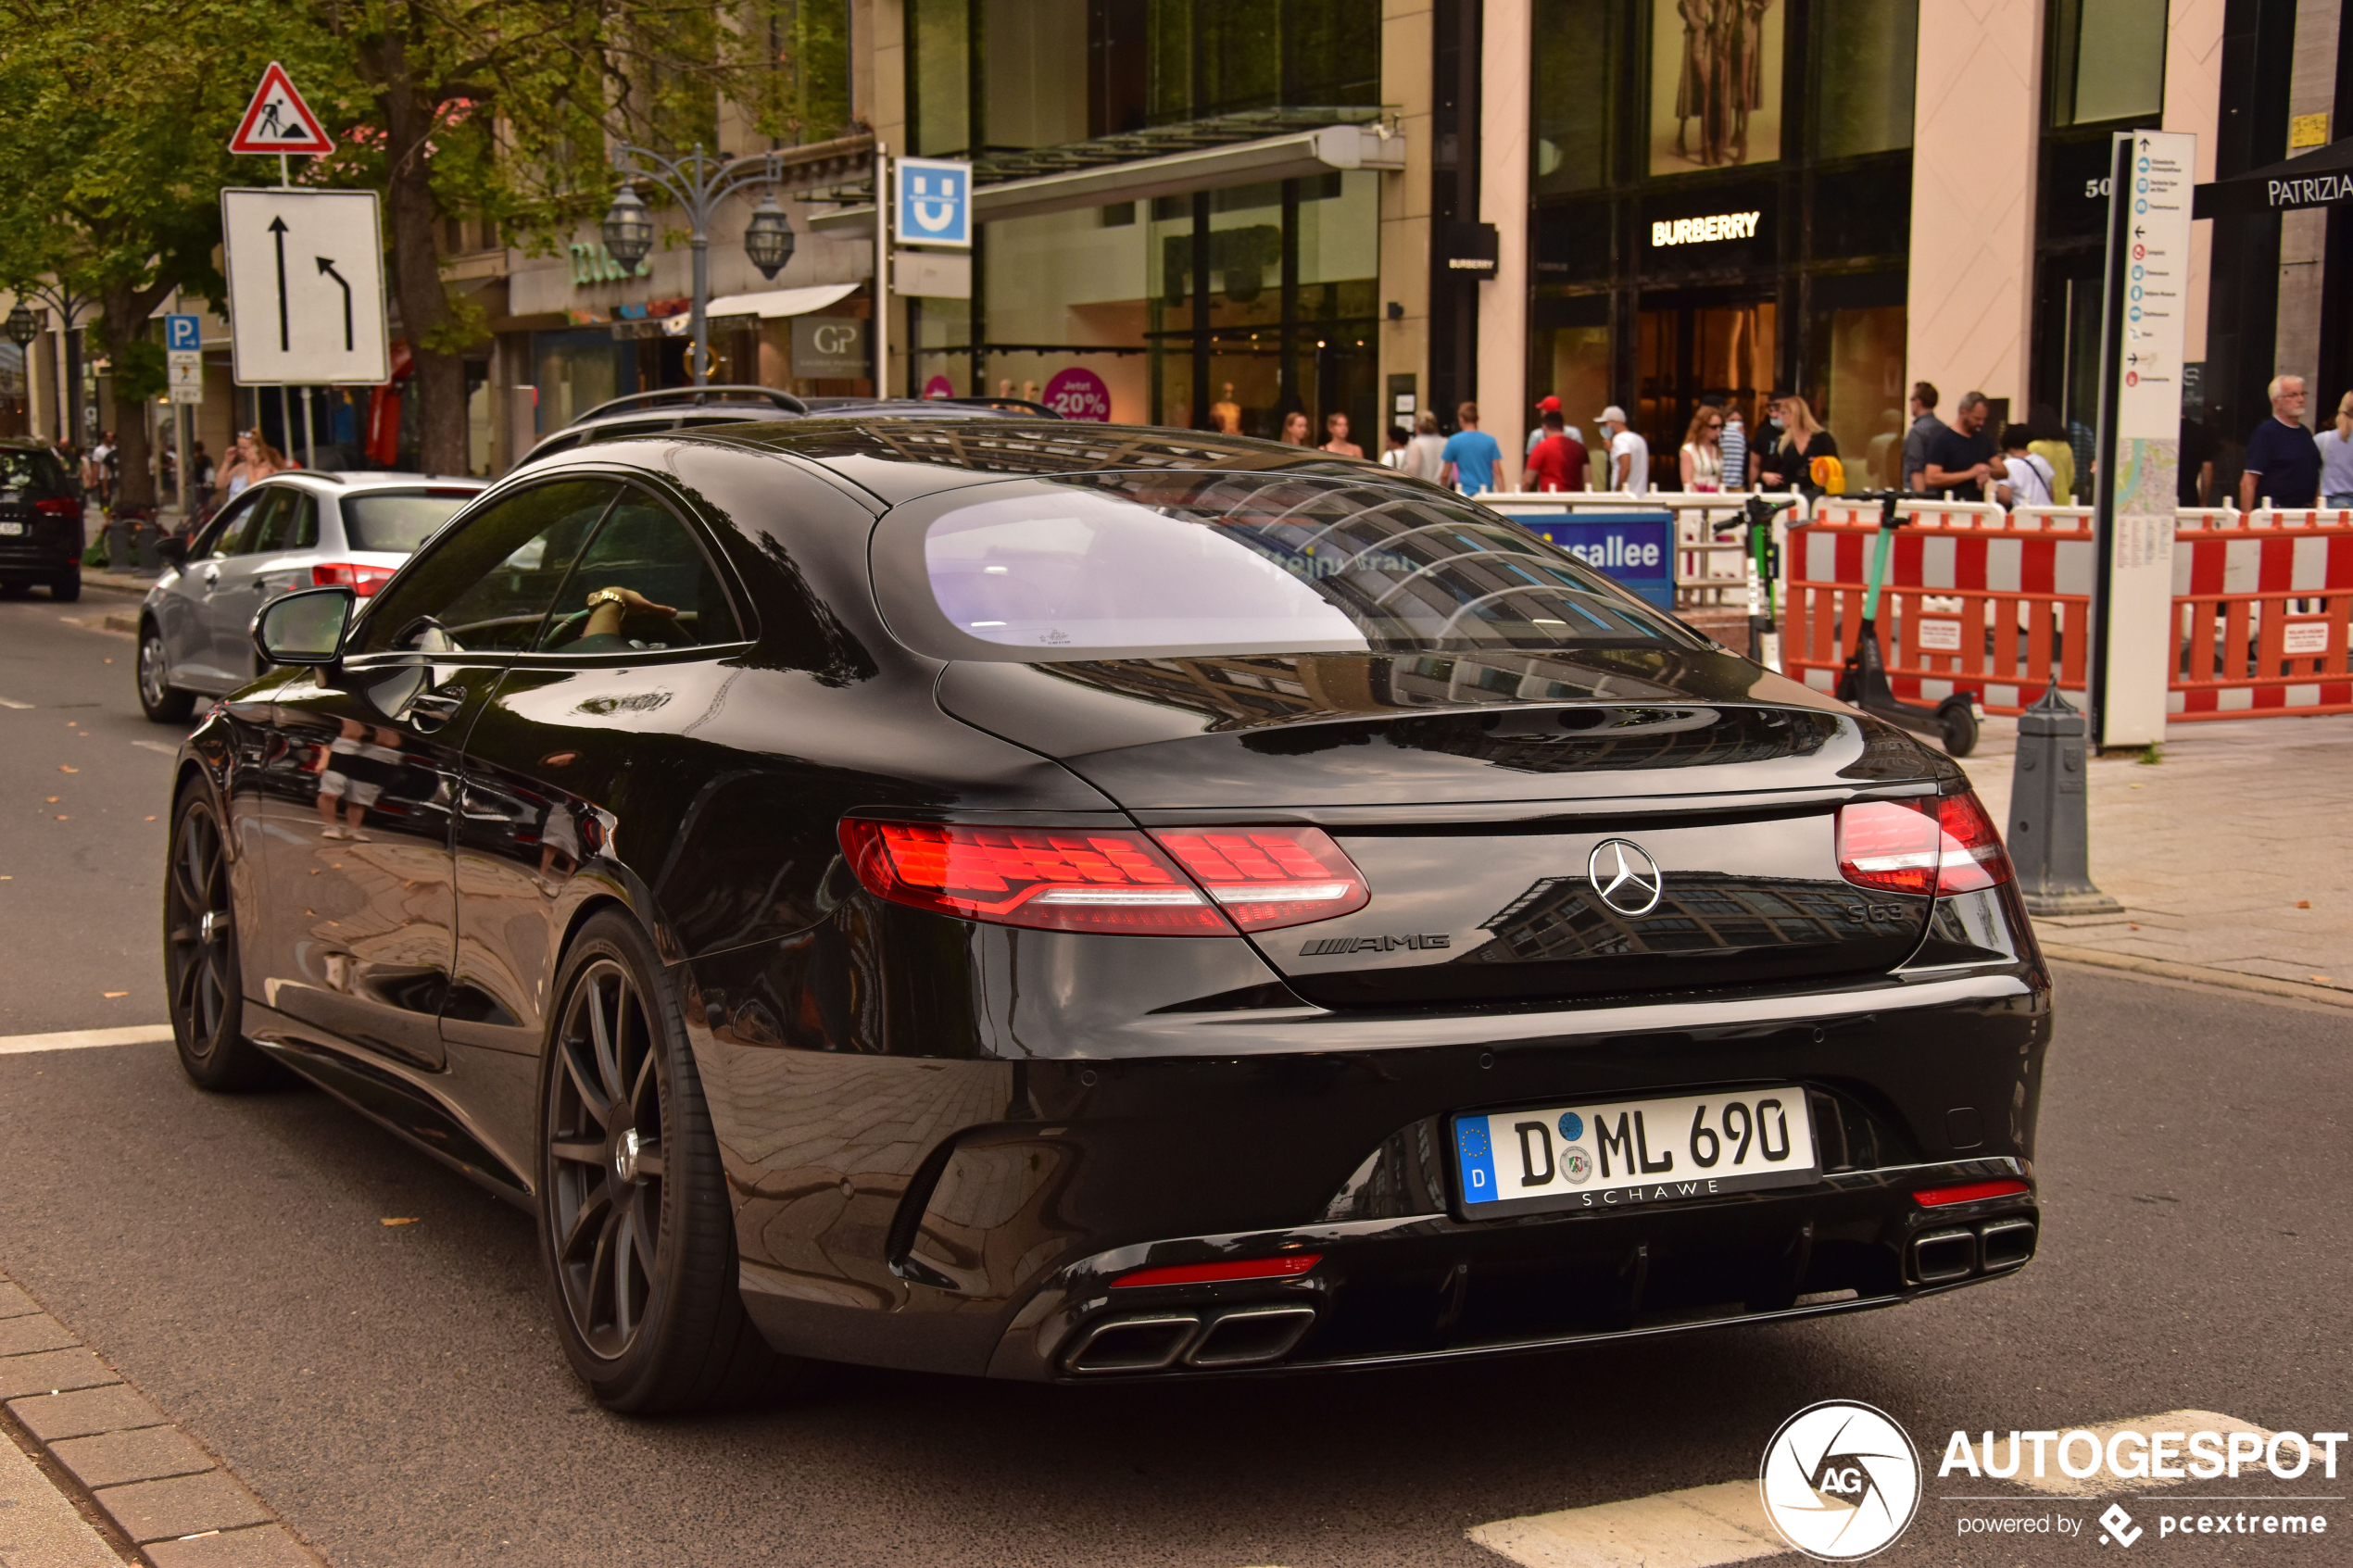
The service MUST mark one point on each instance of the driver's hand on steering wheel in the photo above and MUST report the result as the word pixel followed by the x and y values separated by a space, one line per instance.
pixel 606 618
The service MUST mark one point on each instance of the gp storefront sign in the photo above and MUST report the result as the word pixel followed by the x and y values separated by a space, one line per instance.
pixel 1637 549
pixel 830 347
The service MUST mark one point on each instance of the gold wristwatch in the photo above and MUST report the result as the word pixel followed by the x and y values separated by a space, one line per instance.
pixel 607 596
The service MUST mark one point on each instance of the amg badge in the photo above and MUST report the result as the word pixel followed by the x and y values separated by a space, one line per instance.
pixel 1324 947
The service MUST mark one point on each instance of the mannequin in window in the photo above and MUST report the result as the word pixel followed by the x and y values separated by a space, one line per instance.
pixel 1225 415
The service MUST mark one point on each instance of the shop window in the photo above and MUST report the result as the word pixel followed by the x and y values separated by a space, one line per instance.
pixel 1221 57
pixel 1033 50
pixel 1716 85
pixel 1856 387
pixel 1865 65
pixel 2107 60
pixel 1577 45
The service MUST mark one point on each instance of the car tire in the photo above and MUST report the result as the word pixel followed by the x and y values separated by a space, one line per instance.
pixel 203 993
pixel 159 698
pixel 67 589
pixel 626 1149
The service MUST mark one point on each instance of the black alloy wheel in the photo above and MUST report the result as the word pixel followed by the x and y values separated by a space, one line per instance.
pixel 200 955
pixel 633 1220
pixel 158 698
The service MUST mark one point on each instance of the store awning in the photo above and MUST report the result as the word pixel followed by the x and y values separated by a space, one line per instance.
pixel 1295 156
pixel 2317 178
pixel 773 303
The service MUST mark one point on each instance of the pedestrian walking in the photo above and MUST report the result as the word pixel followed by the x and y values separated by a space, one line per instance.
pixel 1799 463
pixel 2283 462
pixel 2336 456
pixel 200 479
pixel 2026 476
pixel 2046 438
pixel 105 456
pixel 1629 455
pixel 1336 440
pixel 1960 456
pixel 1397 445
pixel 1425 454
pixel 1557 462
pixel 1925 426
pixel 1546 404
pixel 1702 459
pixel 1734 443
pixel 1472 456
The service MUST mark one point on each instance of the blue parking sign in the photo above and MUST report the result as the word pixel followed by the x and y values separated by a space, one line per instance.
pixel 181 334
pixel 934 202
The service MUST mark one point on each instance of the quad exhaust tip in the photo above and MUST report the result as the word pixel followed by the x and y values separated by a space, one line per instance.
pixel 1940 1257
pixel 1156 1341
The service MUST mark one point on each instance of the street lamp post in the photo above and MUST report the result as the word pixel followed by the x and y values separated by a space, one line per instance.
pixel 698 182
pixel 66 303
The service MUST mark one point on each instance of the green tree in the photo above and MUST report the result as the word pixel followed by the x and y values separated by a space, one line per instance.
pixel 114 124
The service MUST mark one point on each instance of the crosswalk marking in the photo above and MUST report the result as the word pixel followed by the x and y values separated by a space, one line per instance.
pixel 1697 1528
pixel 79 1039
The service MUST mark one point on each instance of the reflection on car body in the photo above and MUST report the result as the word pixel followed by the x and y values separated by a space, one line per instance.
pixel 1057 902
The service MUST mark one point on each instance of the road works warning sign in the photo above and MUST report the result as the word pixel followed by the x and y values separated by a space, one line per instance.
pixel 278 121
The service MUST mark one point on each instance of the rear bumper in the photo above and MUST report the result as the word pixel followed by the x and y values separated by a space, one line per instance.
pixel 1432 1288
pixel 38 559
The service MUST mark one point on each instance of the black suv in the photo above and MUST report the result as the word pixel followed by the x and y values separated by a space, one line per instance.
pixel 40 522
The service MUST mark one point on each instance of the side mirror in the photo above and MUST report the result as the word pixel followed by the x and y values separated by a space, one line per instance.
pixel 172 550
pixel 305 627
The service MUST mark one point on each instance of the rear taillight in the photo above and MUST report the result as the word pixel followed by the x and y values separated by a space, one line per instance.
pixel 1968 1192
pixel 59 506
pixel 1288 1267
pixel 1939 847
pixel 1191 882
pixel 1268 877
pixel 1058 879
pixel 362 581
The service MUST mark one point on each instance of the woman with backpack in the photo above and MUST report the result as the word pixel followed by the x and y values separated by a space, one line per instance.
pixel 1806 460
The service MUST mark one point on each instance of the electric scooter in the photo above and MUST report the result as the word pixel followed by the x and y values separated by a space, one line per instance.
pixel 1862 680
pixel 1763 573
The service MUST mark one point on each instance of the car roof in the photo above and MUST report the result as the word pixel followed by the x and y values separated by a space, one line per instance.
pixel 897 458
pixel 346 480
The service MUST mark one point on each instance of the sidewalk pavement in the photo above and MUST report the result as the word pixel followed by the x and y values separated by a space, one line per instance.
pixel 2232 856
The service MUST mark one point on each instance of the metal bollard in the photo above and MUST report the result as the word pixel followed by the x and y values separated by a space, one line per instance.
pixel 2050 836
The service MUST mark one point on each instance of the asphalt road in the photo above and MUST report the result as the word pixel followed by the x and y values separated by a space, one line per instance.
pixel 397 1395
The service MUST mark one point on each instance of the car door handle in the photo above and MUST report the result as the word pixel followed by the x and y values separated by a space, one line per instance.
pixel 429 710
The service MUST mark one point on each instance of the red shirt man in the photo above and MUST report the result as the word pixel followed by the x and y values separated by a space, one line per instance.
pixel 1558 462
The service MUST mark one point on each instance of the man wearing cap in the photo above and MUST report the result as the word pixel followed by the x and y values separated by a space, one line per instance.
pixel 1629 455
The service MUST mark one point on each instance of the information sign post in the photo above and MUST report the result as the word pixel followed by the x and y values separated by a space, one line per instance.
pixel 2140 434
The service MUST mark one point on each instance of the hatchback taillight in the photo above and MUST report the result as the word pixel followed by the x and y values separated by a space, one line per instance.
pixel 1939 847
pixel 59 506
pixel 1108 879
pixel 363 581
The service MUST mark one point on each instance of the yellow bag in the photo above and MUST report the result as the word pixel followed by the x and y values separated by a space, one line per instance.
pixel 1829 475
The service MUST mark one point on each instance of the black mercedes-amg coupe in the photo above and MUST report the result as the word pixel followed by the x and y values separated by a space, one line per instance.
pixel 1074 902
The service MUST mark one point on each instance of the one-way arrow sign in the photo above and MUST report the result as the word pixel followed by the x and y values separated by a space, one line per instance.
pixel 278 121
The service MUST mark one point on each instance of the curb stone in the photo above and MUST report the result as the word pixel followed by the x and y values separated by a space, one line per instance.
pixel 166 1501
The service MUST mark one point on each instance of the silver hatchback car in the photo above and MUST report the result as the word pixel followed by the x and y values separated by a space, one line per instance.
pixel 290 531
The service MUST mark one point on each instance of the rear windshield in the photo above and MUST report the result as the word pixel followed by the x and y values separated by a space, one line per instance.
pixel 33 474
pixel 396 521
pixel 1110 566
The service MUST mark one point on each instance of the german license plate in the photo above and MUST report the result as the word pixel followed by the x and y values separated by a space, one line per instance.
pixel 11 530
pixel 1633 1152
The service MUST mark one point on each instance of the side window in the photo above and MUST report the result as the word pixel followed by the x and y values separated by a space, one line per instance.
pixel 487 585
pixel 251 524
pixel 643 582
pixel 218 534
pixel 288 520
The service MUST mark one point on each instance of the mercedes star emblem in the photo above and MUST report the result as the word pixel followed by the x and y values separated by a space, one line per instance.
pixel 1627 878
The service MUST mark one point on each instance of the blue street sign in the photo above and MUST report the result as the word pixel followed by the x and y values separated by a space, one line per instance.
pixel 934 202
pixel 181 334
pixel 1637 549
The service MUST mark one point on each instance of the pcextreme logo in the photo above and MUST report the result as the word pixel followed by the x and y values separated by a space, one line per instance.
pixel 1841 1481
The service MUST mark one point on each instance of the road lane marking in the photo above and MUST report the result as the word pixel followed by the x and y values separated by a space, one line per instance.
pixel 1708 1526
pixel 156 746
pixel 81 1039
pixel 1696 1528
pixel 12 702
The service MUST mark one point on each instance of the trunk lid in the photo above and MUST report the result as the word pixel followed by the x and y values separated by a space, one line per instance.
pixel 1609 822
